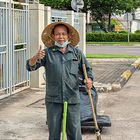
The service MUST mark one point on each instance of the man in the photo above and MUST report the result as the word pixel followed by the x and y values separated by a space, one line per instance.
pixel 62 62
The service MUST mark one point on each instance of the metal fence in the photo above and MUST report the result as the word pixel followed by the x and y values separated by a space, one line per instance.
pixel 76 21
pixel 60 15
pixel 13 46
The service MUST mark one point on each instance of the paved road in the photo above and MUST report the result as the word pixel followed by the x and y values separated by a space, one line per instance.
pixel 21 121
pixel 114 49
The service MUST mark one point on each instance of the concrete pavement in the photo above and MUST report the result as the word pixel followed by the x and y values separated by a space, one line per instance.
pixel 20 120
pixel 133 49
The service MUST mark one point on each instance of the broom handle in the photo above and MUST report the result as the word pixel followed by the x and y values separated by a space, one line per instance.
pixel 90 98
pixel 64 120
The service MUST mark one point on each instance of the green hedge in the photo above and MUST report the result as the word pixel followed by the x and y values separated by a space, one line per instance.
pixel 111 37
pixel 137 32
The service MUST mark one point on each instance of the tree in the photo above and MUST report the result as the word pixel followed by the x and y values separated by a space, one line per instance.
pixel 102 10
pixel 57 4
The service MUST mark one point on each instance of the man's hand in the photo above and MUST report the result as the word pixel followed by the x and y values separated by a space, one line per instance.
pixel 88 83
pixel 40 54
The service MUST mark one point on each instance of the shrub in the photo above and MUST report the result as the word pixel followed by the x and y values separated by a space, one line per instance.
pixel 137 32
pixel 111 37
pixel 123 32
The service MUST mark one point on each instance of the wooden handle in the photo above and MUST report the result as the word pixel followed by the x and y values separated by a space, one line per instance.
pixel 90 98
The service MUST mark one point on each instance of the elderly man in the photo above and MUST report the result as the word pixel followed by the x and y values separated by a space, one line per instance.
pixel 63 63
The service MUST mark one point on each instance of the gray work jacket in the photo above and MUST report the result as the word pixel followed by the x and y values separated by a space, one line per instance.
pixel 62 73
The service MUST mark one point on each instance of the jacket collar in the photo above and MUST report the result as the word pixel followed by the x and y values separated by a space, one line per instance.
pixel 68 49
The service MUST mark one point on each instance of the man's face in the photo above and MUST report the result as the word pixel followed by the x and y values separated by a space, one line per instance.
pixel 60 34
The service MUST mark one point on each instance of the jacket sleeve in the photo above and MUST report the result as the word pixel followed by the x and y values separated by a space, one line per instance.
pixel 39 63
pixel 83 60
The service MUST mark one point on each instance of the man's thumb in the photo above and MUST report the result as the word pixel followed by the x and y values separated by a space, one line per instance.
pixel 40 48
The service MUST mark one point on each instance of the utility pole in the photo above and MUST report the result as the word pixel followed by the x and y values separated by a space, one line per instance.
pixel 128 24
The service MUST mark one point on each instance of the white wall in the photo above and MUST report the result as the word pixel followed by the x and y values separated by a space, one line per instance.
pixel 135 25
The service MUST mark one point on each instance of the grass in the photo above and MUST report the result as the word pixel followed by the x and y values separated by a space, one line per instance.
pixel 111 56
pixel 123 43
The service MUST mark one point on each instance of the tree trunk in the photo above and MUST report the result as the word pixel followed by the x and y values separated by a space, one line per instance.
pixel 109 22
pixel 101 24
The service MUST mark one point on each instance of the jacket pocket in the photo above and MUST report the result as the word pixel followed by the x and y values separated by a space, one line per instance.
pixel 53 89
pixel 74 66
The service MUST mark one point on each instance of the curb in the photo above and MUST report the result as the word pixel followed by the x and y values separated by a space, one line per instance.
pixel 121 81
pixel 126 75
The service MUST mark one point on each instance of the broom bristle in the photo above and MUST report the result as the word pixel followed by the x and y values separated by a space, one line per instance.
pixel 99 137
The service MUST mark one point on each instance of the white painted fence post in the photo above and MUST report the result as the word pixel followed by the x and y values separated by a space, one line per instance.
pixel 47 17
pixel 70 16
pixel 36 26
pixel 82 21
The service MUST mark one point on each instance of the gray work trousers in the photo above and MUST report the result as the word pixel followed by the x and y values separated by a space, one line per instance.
pixel 54 119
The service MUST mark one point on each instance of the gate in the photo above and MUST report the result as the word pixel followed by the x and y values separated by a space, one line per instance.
pixel 14 31
pixel 60 15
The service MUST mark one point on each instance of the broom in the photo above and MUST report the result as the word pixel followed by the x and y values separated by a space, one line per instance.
pixel 98 135
pixel 64 120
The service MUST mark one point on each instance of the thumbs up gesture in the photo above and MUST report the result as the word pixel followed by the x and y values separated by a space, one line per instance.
pixel 40 54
